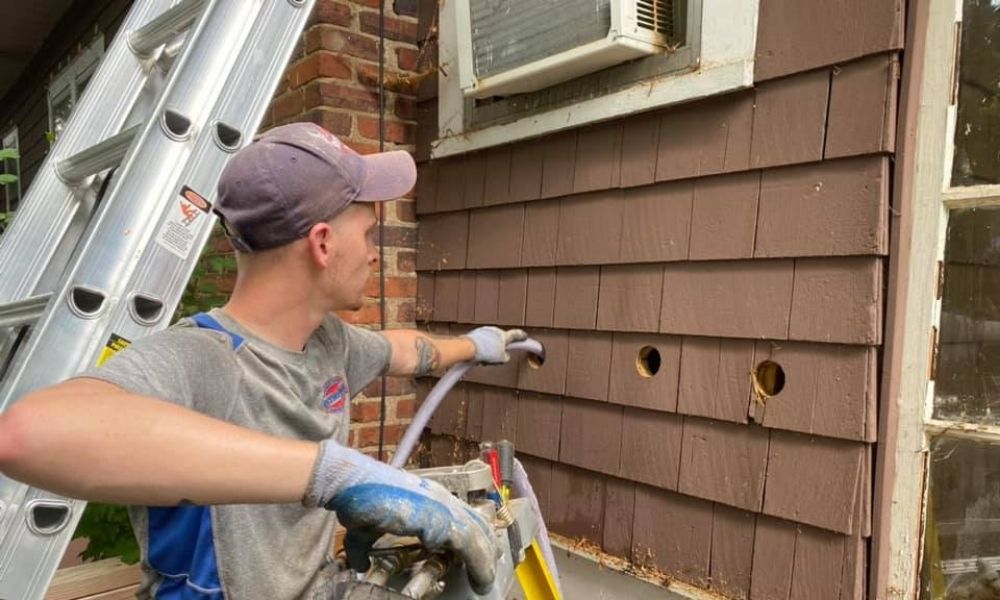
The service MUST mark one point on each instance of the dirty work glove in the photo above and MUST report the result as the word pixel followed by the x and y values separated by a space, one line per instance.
pixel 491 343
pixel 372 498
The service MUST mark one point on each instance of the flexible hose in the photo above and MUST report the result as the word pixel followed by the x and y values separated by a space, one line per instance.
pixel 522 487
pixel 437 394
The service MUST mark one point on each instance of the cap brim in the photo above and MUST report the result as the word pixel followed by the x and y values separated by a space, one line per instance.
pixel 389 175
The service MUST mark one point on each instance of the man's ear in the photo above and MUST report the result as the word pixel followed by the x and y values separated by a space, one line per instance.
pixel 320 240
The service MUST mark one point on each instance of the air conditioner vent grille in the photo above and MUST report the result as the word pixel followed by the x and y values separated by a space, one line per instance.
pixel 510 33
pixel 660 16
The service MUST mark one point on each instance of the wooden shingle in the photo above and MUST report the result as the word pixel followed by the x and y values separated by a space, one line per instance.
pixel 863 107
pixel 539 418
pixel 715 378
pixel 640 138
pixel 467 297
pixel 495 237
pixel 500 414
pixel 789 120
pixel 619 505
pixel 450 184
pixel 541 297
pixel 656 222
pixel 446 296
pixel 588 367
pixel 732 551
pixel 474 175
pixel 558 163
pixel 526 170
pixel 576 297
pixel 630 298
pixel 487 295
pixel 541 227
pixel 577 497
pixel 834 208
pixel 443 240
pixel 673 533
pixel 773 559
pixel 598 157
pixel 837 300
pixel 724 216
pixel 496 189
pixel 705 138
pixel 512 295
pixel 591 435
pixel 724 462
pixel 749 299
pixel 426 192
pixel 590 228
pixel 635 386
pixel 550 376
pixel 651 447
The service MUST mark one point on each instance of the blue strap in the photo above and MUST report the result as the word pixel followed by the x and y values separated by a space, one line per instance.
pixel 207 321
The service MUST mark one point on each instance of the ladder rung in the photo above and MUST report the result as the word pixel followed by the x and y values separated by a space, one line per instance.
pixel 23 311
pixel 167 25
pixel 95 159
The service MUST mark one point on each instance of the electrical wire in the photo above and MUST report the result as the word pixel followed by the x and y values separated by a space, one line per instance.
pixel 381 216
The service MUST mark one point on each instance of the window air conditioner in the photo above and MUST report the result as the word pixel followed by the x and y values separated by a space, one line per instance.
pixel 516 46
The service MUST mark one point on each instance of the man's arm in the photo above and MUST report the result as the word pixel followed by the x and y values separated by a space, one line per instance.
pixel 90 439
pixel 417 353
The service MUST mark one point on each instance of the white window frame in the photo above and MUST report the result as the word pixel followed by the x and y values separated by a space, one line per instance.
pixel 725 63
pixel 10 140
pixel 931 199
pixel 84 63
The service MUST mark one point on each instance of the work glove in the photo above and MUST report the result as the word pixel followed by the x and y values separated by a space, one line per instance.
pixel 491 343
pixel 371 498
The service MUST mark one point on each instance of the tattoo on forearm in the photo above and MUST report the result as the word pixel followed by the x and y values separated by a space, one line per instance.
pixel 428 357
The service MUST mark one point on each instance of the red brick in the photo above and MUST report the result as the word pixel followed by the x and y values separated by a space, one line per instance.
pixel 368 3
pixel 395 287
pixel 361 147
pixel 333 120
pixel 406 408
pixel 407 58
pixel 395 29
pixel 336 95
pixel 365 412
pixel 288 105
pixel 399 133
pixel 332 13
pixel 405 7
pixel 367 315
pixel 368 436
pixel 394 386
pixel 318 64
pixel 396 235
pixel 406 262
pixel 406 312
pixel 327 37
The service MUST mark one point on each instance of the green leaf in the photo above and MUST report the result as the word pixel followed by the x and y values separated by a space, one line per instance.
pixel 9 154
pixel 110 533
pixel 6 178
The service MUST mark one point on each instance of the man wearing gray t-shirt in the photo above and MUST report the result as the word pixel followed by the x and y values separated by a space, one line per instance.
pixel 227 433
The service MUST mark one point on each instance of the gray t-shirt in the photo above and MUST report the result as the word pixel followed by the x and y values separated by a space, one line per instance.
pixel 218 368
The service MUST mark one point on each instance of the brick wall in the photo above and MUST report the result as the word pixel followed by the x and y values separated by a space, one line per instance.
pixel 332 80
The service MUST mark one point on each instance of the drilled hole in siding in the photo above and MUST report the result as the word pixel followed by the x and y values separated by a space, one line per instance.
pixel 535 361
pixel 768 379
pixel 648 362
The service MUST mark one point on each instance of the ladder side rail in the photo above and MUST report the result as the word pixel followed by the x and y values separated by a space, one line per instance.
pixel 52 335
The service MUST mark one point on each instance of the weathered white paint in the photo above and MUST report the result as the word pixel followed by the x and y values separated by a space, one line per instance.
pixel 727 40
pixel 930 200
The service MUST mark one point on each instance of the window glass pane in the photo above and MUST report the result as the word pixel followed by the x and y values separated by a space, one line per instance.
pixel 967 375
pixel 962 531
pixel 62 106
pixel 977 130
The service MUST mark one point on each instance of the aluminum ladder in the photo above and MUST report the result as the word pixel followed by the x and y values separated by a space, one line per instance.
pixel 108 234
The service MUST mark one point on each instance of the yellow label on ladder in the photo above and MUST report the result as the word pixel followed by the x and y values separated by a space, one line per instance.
pixel 116 344
pixel 534 576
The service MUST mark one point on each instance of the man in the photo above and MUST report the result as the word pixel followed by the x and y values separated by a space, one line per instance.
pixel 227 433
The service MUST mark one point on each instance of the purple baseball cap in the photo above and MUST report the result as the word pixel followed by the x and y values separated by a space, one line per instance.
pixel 294 176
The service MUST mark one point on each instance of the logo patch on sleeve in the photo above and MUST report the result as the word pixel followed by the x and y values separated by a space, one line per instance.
pixel 335 395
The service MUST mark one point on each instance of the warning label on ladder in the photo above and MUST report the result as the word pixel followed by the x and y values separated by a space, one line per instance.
pixel 116 344
pixel 177 233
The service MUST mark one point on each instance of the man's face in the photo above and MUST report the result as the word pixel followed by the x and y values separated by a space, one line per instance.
pixel 353 255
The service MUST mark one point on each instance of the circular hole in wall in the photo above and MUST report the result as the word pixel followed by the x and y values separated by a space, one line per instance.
pixel 535 361
pixel 648 362
pixel 769 378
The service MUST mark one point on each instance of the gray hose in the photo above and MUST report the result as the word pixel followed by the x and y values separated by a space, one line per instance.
pixel 522 487
pixel 437 394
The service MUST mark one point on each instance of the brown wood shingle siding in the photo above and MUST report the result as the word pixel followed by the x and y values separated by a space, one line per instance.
pixel 722 233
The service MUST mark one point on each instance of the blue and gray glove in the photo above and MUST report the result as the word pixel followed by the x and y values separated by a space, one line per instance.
pixel 372 498
pixel 491 343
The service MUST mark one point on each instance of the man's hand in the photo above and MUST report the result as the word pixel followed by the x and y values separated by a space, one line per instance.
pixel 372 498
pixel 491 343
